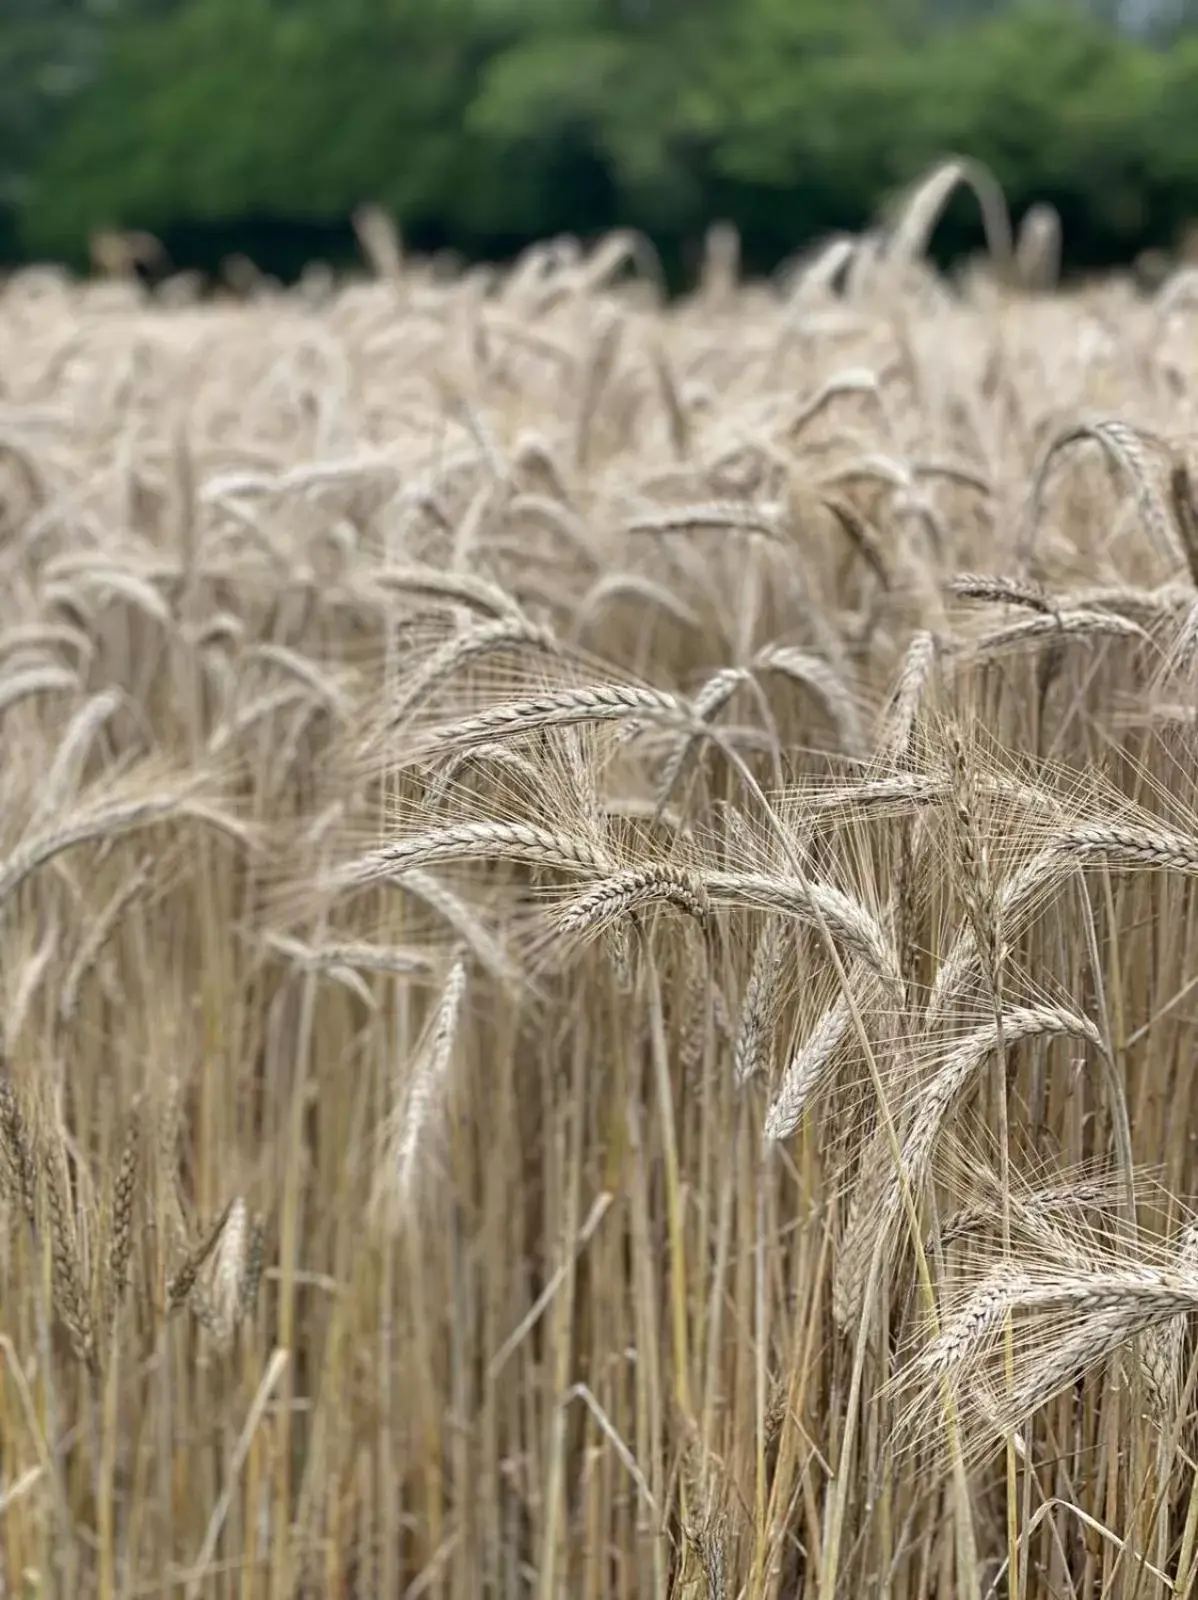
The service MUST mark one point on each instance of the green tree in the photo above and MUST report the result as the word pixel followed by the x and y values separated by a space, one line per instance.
pixel 49 51
pixel 485 123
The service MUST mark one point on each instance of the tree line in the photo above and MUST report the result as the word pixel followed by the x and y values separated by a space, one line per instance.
pixel 260 125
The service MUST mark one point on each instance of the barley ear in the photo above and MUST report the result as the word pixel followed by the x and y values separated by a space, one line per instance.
pixel 18 1167
pixel 751 1051
pixel 124 1195
pixel 183 1282
pixel 70 1295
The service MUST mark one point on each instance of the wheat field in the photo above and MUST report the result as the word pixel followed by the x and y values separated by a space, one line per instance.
pixel 599 936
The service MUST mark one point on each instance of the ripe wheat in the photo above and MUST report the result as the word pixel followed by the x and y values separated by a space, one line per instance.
pixel 644 855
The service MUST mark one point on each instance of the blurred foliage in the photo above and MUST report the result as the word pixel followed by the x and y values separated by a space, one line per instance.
pixel 484 123
pixel 49 52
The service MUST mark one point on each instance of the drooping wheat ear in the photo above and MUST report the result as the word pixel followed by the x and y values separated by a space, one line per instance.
pixel 812 1064
pixel 97 936
pixel 1185 513
pixel 255 711
pixel 26 682
pixel 453 588
pixel 1033 1215
pixel 183 1281
pixel 1149 607
pixel 729 515
pixel 898 725
pixel 959 1337
pixel 469 645
pixel 1097 1310
pixel 535 455
pixel 602 702
pixel 619 896
pixel 559 517
pixel 48 637
pixel 708 703
pixel 29 974
pixel 70 1295
pixel 817 904
pixel 410 1127
pixel 860 535
pixel 1121 845
pixel 1124 446
pixel 522 842
pixel 124 1197
pixel 1050 630
pixel 620 248
pixel 482 755
pixel 742 846
pixel 879 1200
pixel 110 822
pixel 182 509
pixel 615 586
pixel 1161 1349
pixel 66 770
pixel 1115 845
pixel 1077 1354
pixel 915 222
pixel 814 278
pixel 1127 446
pixel 397 960
pixel 580 793
pixel 315 677
pixel 963 1061
pixel 1001 591
pixel 750 1052
pixel 897 795
pixel 18 1162
pixel 815 674
pixel 139 590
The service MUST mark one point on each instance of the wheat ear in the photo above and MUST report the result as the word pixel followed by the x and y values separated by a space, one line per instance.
pixel 409 1127
pixel 522 842
pixel 620 896
pixel 878 1203
pixel 749 1051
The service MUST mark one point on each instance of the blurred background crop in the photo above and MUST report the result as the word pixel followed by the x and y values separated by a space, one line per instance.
pixel 255 128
